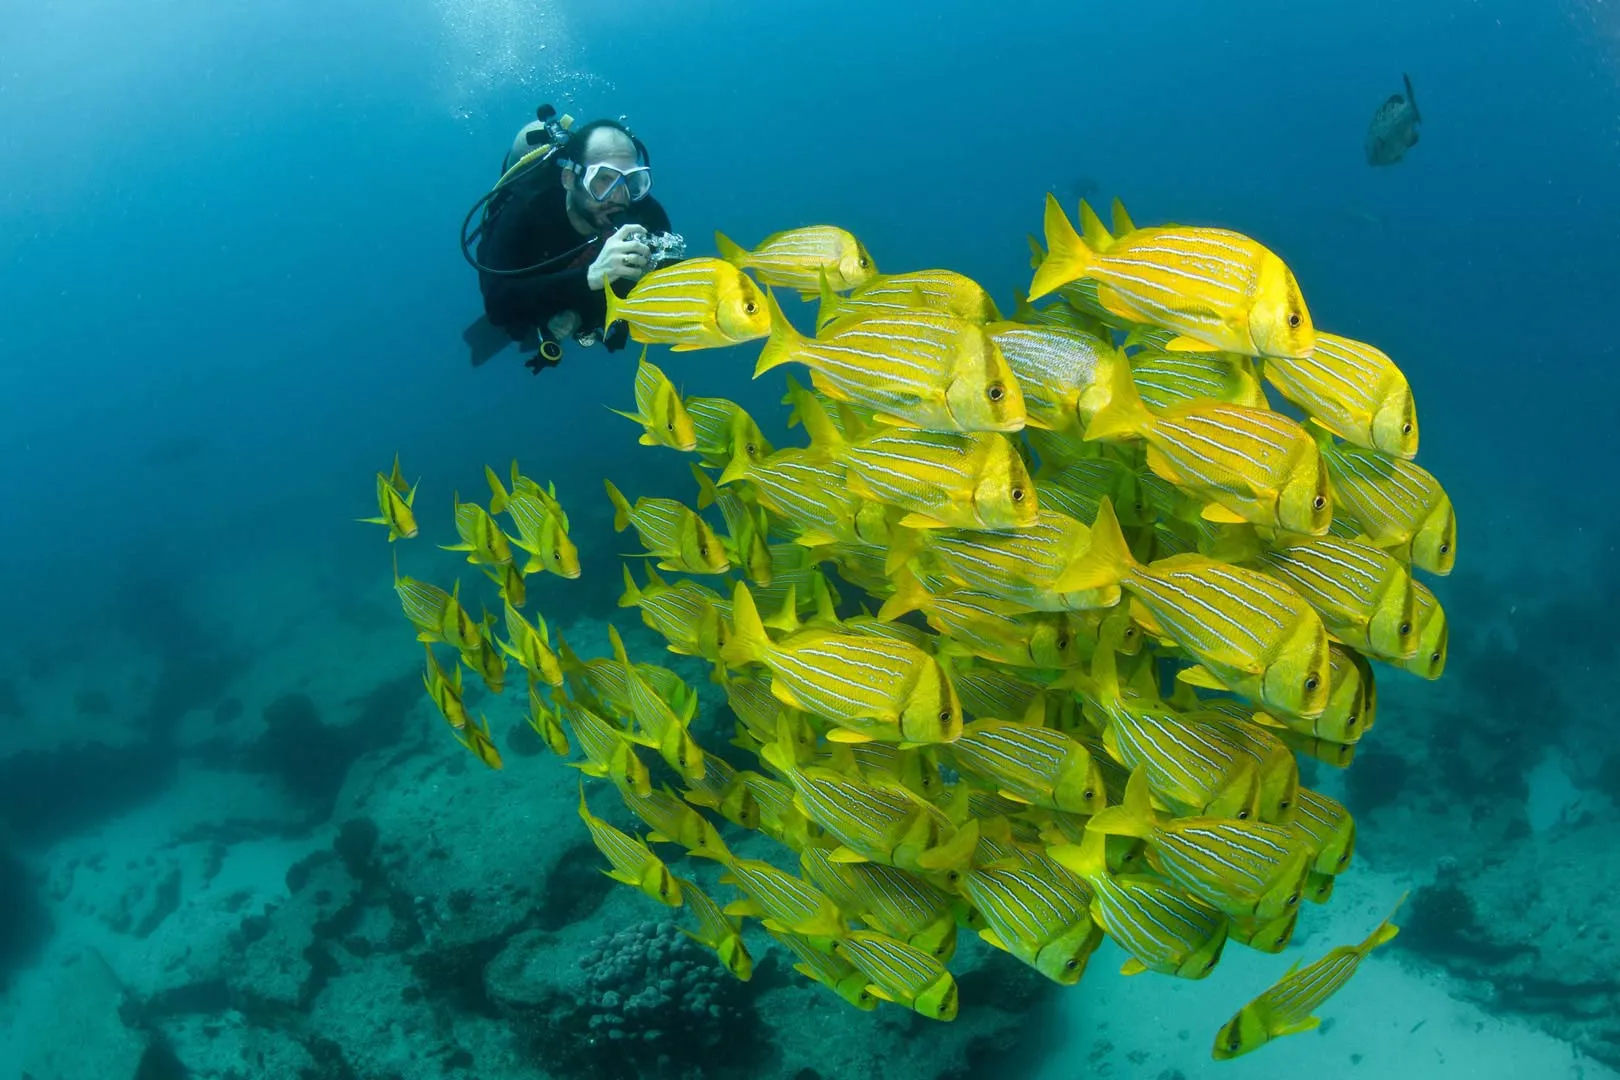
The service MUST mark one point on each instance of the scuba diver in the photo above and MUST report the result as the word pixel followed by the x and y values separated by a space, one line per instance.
pixel 571 215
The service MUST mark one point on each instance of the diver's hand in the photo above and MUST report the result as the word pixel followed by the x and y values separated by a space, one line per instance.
pixel 623 257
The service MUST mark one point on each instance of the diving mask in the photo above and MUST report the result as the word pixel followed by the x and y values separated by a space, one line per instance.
pixel 602 180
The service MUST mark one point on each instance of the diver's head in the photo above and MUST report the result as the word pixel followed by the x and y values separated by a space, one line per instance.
pixel 603 174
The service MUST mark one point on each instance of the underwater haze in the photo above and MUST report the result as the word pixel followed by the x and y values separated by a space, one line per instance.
pixel 236 840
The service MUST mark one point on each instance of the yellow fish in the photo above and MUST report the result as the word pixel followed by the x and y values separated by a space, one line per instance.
pixel 671 533
pixel 634 864
pixel 394 500
pixel 942 291
pixel 901 973
pixel 476 739
pixel 1392 503
pixel 444 691
pixel 1430 659
pixel 1245 464
pixel 920 369
pixel 1289 1006
pixel 800 258
pixel 716 930
pixel 1061 370
pixel 659 409
pixel 609 753
pixel 481 538
pixel 693 304
pixel 530 646
pixel 546 723
pixel 726 434
pixel 942 479
pixel 425 605
pixel 1215 288
pixel 1354 391
pixel 1251 631
pixel 541 524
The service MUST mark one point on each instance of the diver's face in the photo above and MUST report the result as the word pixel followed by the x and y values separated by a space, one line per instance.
pixel 613 148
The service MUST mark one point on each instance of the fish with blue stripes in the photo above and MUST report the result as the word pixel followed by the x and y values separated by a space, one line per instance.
pixel 697 303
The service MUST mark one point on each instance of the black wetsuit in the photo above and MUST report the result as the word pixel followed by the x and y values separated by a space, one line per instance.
pixel 531 227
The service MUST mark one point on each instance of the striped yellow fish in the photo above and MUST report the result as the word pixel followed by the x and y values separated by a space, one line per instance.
pixel 747 539
pixel 693 304
pixel 871 687
pixel 887 764
pixel 1353 390
pixel 530 646
pixel 1328 829
pixel 425 605
pixel 989 627
pixel 481 538
pixel 458 628
pixel 675 822
pixel 1188 767
pixel 541 524
pixel 1253 633
pixel 780 817
pixel 716 930
pixel 633 862
pixel 901 973
pixel 671 532
pixel 689 615
pixel 444 691
pixel 659 725
pixel 943 479
pixel 942 291
pixel 801 258
pixel 1273 763
pixel 1289 1006
pixel 1165 380
pixel 725 432
pixel 659 410
pixel 1267 935
pixel 989 693
pixel 508 579
pixel 887 899
pixel 759 713
pixel 783 902
pixel 609 753
pixel 1078 487
pixel 1240 867
pixel 1057 368
pixel 806 489
pixel 1215 288
pixel 1363 593
pixel 1044 919
pixel 547 724
pixel 1246 464
pixel 1430 659
pixel 833 972
pixel 1392 503
pixel 1160 926
pixel 476 740
pixel 1023 566
pixel 1338 755
pixel 485 658
pixel 394 501
pixel 721 788
pixel 915 370
pixel 1030 764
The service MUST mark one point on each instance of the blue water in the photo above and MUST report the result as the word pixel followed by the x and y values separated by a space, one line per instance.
pixel 230 289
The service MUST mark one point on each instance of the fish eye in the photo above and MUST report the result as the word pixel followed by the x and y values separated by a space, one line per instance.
pixel 750 449
pixel 1234 1042
pixel 1349 723
pixel 944 716
pixel 1063 641
pixel 1017 494
pixel 1294 320
pixel 1070 964
pixel 997 392
pixel 1243 815
pixel 1444 548
pixel 556 556
pixel 750 307
pixel 1319 502
pixel 1283 806
pixel 864 262
pixel 703 549
pixel 1434 657
pixel 1209 967
pixel 1344 860
pixel 1406 628
pixel 1088 794
pixel 1294 899
pixel 1406 428
pixel 1312 682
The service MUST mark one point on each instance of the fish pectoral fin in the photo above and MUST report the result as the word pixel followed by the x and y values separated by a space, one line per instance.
pixel 878 992
pixel 1183 343
pixel 1221 514
pixel 1199 675
pixel 894 421
pixel 915 520
pixel 1133 966
pixel 1310 1023
pixel 749 908
pixel 814 539
pixel 843 854
pixel 992 938
pixel 658 838
pixel 1013 796
pixel 686 346
pixel 844 735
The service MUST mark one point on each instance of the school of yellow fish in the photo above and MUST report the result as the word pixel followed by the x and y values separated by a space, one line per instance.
pixel 1026 639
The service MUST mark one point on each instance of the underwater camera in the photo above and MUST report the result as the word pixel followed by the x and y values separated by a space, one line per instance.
pixel 664 247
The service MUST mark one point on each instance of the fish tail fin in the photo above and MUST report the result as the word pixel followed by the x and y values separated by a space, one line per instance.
pixel 782 754
pixel 1411 98
pixel 909 595
pixel 748 641
pixel 1123 224
pixel 1067 257
pixel 498 498
pixel 1037 251
pixel 827 311
pixel 824 435
pixel 708 494
pixel 1106 561
pixel 1122 414
pixel 957 851
pixel 613 305
pixel 787 619
pixel 1133 817
pixel 617 642
pixel 1386 930
pixel 1088 858
pixel 904 544
pixel 729 251
pixel 1023 311
pixel 621 507
pixel 784 341
pixel 737 468
pixel 632 595
pixel 1092 230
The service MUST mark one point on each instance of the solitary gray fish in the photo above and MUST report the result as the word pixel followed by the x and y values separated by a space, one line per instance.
pixel 1394 128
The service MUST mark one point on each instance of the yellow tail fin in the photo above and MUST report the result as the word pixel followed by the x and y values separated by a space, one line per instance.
pixel 621 507
pixel 729 251
pixel 783 343
pixel 1067 257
